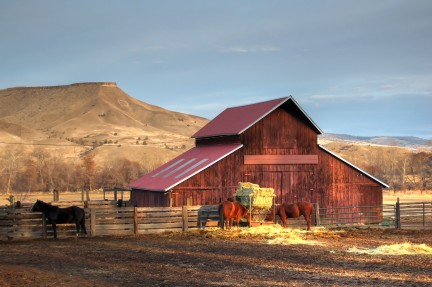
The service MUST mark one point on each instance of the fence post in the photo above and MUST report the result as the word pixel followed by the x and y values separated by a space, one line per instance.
pixel 92 222
pixel 185 217
pixel 136 221
pixel 316 214
pixel 398 214
pixel 44 226
pixel 424 214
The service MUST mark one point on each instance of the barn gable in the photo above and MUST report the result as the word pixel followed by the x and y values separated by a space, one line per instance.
pixel 274 144
pixel 236 120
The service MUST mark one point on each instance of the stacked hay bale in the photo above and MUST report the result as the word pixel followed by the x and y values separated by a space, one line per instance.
pixel 257 199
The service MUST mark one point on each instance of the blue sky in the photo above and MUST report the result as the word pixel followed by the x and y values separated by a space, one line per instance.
pixel 356 67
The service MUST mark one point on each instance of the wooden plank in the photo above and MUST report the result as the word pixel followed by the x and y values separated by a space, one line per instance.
pixel 115 221
pixel 93 222
pixel 160 220
pixel 114 227
pixel 281 159
pixel 114 232
pixel 159 225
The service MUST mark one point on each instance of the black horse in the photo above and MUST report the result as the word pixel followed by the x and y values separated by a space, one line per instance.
pixel 57 215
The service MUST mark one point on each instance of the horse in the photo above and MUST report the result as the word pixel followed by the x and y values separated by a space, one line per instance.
pixel 286 210
pixel 57 215
pixel 230 210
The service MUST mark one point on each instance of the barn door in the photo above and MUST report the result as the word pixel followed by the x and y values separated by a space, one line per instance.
pixel 296 186
pixel 289 186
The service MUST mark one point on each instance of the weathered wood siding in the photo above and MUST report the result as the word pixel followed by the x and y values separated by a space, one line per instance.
pixel 150 198
pixel 341 185
pixel 281 133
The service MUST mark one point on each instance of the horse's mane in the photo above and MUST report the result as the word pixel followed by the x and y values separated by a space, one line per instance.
pixel 46 206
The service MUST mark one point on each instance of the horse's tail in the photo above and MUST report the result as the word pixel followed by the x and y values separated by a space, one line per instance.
pixel 80 217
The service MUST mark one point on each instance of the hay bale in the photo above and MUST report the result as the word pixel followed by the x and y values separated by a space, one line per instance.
pixel 251 194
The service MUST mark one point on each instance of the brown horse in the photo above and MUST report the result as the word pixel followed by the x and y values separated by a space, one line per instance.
pixel 286 210
pixel 229 210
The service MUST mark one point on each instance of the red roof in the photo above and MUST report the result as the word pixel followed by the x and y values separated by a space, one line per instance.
pixel 183 167
pixel 235 120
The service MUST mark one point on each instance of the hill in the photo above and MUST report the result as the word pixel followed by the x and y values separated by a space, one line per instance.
pixel 397 141
pixel 94 116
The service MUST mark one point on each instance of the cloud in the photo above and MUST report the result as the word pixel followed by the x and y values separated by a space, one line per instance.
pixel 390 88
pixel 253 49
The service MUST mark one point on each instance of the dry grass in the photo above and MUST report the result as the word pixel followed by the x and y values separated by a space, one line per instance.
pixel 388 198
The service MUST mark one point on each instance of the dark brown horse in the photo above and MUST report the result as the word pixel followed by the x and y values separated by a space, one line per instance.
pixel 57 215
pixel 229 210
pixel 286 210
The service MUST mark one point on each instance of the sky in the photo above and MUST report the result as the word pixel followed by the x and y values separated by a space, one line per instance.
pixel 362 68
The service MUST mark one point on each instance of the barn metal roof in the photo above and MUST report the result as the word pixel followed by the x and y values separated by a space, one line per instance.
pixel 183 167
pixel 235 120
pixel 355 167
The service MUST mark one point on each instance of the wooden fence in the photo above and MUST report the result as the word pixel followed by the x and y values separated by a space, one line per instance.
pixel 108 220
pixel 21 223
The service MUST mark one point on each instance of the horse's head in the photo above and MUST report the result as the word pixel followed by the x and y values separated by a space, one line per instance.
pixel 246 214
pixel 271 214
pixel 38 206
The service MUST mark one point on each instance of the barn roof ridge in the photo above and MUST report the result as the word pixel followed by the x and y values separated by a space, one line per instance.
pixel 236 120
pixel 355 167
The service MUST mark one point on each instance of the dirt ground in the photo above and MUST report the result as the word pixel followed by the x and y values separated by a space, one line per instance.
pixel 218 258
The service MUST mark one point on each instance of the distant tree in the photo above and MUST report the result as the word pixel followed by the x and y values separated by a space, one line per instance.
pixel 89 166
pixel 11 164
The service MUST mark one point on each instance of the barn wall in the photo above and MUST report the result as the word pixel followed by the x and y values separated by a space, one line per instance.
pixel 338 184
pixel 281 133
pixel 146 198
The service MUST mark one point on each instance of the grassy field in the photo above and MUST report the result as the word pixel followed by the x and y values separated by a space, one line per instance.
pixel 406 197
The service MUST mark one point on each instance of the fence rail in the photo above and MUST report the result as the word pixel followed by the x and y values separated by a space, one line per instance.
pixel 414 215
pixel 110 220
pixel 381 215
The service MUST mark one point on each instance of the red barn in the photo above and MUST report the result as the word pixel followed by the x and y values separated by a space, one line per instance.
pixel 273 144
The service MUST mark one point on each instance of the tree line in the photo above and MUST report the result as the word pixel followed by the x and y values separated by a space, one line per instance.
pixel 39 170
pixel 402 169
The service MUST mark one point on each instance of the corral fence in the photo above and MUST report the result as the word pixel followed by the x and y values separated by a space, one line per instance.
pixel 109 220
pixel 106 219
pixel 415 215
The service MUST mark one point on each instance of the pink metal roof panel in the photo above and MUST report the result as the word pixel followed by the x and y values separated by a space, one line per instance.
pixel 183 167
pixel 235 120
